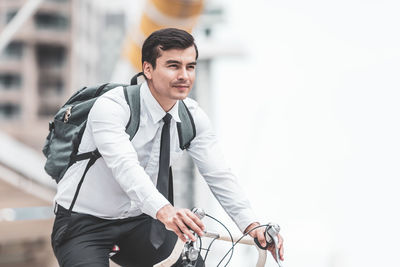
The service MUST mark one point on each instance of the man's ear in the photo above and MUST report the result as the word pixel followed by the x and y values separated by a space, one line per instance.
pixel 147 70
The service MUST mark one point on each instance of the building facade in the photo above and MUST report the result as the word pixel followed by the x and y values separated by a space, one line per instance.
pixel 55 53
pixel 35 69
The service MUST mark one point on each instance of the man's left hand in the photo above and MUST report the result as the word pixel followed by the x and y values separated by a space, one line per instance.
pixel 259 234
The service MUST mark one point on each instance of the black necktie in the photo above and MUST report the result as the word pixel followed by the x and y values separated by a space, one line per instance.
pixel 163 170
pixel 157 232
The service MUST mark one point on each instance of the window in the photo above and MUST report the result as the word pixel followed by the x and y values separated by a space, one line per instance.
pixel 9 111
pixel 10 81
pixel 13 51
pixel 49 56
pixel 50 85
pixel 51 21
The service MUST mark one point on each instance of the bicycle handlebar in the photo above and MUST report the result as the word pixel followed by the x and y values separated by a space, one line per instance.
pixel 271 236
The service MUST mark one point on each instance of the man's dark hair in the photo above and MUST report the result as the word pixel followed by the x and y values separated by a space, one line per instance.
pixel 166 39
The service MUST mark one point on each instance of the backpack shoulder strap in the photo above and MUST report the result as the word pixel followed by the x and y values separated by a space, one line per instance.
pixel 186 128
pixel 132 97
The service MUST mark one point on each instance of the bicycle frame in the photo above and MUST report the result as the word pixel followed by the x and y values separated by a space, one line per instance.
pixel 179 246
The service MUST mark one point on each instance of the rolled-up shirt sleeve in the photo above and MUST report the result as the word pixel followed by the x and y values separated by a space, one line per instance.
pixel 210 161
pixel 108 119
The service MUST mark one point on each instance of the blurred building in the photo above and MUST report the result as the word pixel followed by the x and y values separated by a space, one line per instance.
pixel 55 53
pixel 35 69
pixel 23 242
pixel 26 216
pixel 98 29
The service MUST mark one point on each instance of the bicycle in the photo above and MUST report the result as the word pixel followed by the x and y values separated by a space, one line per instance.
pixel 190 251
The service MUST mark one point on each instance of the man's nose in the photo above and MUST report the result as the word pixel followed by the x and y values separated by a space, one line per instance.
pixel 183 74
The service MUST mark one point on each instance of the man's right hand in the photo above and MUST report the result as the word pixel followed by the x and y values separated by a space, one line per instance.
pixel 181 221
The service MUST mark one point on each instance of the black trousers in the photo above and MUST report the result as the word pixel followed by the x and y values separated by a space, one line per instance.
pixel 85 240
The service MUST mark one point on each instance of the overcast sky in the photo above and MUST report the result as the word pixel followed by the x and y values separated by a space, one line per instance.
pixel 311 115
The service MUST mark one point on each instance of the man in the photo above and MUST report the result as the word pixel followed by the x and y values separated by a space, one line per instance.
pixel 121 200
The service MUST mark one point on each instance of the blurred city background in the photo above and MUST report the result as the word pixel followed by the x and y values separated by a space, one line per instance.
pixel 303 96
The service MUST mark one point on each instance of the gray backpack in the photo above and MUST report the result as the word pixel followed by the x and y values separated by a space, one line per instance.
pixel 66 130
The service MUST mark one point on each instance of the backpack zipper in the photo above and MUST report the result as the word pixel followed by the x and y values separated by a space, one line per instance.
pixel 67 114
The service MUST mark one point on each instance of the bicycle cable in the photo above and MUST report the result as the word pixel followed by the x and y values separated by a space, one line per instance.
pixel 208 249
pixel 234 244
pixel 200 248
pixel 230 235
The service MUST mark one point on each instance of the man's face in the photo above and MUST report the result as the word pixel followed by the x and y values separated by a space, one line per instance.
pixel 173 77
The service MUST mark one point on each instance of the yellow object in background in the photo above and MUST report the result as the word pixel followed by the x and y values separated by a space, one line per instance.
pixel 158 14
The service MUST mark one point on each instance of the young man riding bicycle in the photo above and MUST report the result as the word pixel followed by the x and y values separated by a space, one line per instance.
pixel 126 198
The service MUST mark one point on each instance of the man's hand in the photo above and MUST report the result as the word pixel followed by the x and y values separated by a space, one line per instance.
pixel 259 234
pixel 181 221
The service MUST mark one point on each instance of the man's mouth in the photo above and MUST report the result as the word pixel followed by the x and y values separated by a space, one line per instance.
pixel 181 86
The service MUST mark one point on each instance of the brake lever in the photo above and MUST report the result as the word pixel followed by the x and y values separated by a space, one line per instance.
pixel 271 236
pixel 273 232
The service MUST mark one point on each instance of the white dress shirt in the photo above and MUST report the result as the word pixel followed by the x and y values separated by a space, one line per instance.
pixel 122 182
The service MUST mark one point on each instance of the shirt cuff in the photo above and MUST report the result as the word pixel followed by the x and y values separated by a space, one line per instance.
pixel 153 204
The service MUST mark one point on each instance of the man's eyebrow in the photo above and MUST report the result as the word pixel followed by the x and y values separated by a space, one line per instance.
pixel 171 61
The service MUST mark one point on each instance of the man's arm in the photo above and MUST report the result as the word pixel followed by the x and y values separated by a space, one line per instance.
pixel 108 119
pixel 209 159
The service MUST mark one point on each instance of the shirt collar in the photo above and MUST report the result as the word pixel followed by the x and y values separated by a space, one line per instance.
pixel 154 108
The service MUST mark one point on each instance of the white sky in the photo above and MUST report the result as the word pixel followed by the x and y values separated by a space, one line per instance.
pixel 310 121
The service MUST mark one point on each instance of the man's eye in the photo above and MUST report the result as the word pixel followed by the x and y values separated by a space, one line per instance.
pixel 173 66
pixel 191 67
